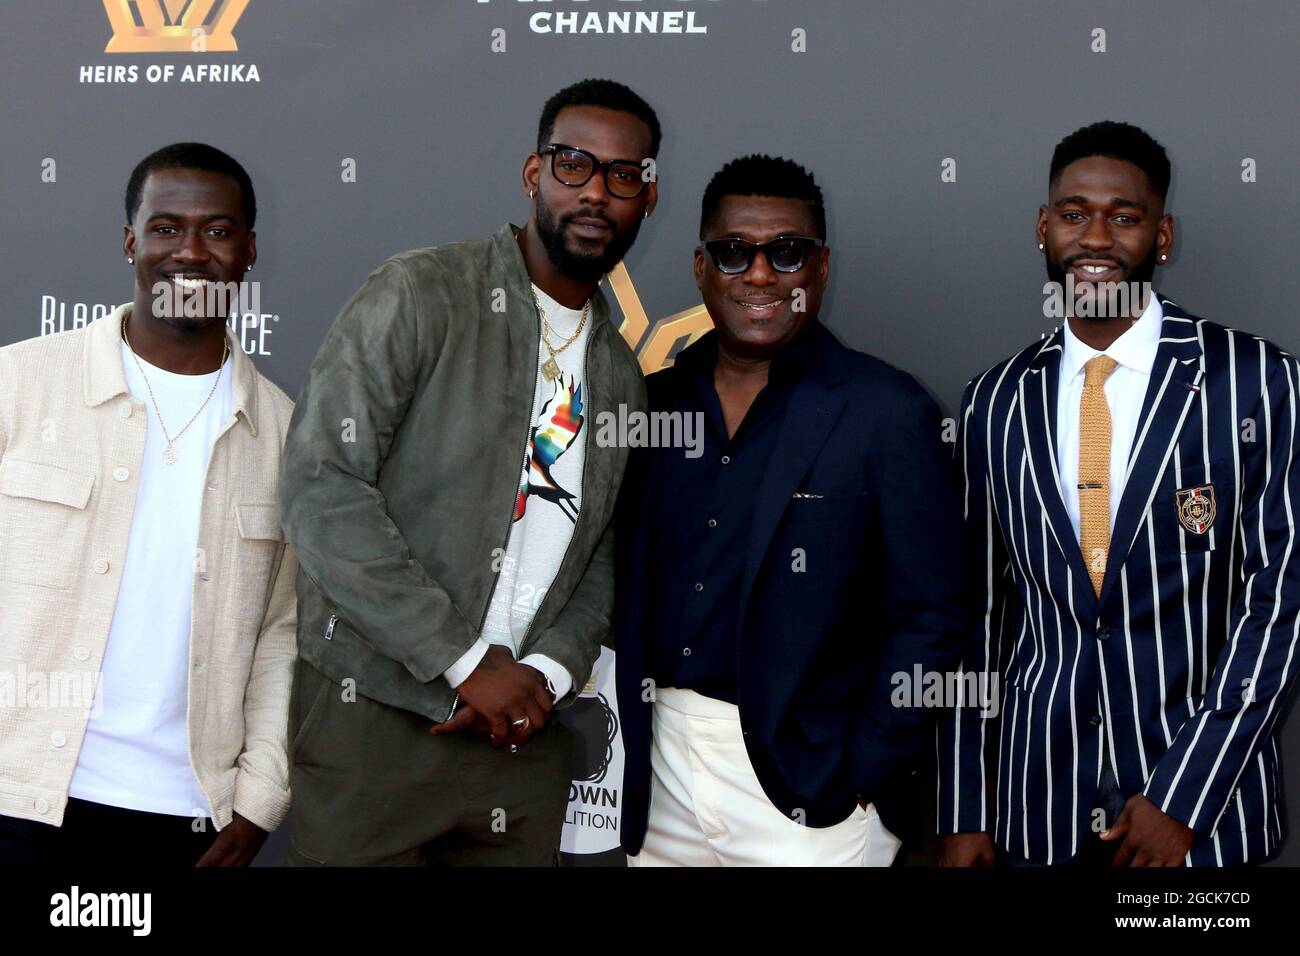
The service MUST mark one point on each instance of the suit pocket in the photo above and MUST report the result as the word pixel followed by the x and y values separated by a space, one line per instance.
pixel 825 533
pixel 1192 509
pixel 44 525
pixel 812 508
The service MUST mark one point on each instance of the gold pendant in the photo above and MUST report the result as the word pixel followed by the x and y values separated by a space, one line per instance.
pixel 169 455
pixel 551 369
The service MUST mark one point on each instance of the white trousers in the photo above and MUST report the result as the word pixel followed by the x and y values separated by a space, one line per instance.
pixel 707 807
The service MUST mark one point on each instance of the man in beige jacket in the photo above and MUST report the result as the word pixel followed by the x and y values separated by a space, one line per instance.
pixel 147 610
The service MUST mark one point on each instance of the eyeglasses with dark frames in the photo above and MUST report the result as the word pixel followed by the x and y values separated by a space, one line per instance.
pixel 575 167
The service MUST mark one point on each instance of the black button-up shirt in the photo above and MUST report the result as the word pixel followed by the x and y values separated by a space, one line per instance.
pixel 701 510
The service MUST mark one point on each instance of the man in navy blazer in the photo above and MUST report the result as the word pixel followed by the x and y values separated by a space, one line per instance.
pixel 781 580
pixel 1130 510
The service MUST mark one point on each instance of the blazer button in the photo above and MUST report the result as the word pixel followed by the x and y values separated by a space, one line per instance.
pixel 58 739
pixel 120 474
pixel 124 409
pixel 1103 633
pixel 1095 720
pixel 101 566
pixel 42 805
pixel 81 653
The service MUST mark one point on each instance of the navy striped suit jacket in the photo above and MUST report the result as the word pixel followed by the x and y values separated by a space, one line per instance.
pixel 1181 668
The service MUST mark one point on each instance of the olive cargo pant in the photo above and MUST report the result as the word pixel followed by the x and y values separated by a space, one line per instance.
pixel 372 787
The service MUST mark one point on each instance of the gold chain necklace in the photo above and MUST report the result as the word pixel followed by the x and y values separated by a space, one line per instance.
pixel 169 453
pixel 551 368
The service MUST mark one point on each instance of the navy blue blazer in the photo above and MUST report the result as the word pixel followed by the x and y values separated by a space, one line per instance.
pixel 817 647
pixel 1181 667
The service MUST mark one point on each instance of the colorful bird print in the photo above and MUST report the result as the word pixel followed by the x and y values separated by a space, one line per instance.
pixel 556 428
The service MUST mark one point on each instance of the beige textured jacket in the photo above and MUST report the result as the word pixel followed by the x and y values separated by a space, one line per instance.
pixel 71 443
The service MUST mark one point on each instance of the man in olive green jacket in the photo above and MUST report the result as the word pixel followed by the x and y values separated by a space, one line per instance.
pixel 451 514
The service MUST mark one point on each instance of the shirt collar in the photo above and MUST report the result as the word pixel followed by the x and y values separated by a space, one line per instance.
pixel 104 378
pixel 798 358
pixel 1135 349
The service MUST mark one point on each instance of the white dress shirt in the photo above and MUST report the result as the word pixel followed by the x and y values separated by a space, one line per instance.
pixel 1125 389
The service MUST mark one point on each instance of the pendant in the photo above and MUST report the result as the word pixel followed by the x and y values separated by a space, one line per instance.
pixel 551 369
pixel 169 455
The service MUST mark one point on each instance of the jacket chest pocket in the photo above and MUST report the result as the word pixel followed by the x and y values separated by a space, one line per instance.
pixel 829 530
pixel 841 509
pixel 260 541
pixel 1192 509
pixel 44 525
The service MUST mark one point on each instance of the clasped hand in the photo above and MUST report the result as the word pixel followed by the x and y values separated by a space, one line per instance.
pixel 502 698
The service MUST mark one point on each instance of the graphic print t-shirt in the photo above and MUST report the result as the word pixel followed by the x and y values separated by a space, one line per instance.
pixel 550 484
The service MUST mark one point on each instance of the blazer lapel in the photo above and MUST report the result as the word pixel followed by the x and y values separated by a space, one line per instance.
pixel 809 418
pixel 1175 383
pixel 1038 399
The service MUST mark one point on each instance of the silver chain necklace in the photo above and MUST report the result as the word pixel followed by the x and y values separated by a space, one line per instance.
pixel 169 453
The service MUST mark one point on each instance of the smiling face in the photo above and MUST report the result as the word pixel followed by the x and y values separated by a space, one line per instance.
pixel 586 230
pixel 189 232
pixel 1103 223
pixel 760 311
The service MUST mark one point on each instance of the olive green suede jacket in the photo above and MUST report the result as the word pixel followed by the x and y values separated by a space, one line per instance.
pixel 401 469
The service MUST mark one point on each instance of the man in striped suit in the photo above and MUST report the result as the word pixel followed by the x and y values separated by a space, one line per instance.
pixel 1131 491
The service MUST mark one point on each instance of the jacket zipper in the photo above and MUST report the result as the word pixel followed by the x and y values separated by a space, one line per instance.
pixel 329 628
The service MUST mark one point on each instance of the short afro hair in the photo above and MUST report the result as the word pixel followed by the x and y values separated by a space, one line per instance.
pixel 1117 141
pixel 604 93
pixel 761 175
pixel 199 156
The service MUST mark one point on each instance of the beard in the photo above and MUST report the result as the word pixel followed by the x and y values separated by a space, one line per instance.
pixel 1141 273
pixel 578 263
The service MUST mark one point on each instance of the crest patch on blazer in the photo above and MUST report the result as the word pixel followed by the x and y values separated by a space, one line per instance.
pixel 1196 508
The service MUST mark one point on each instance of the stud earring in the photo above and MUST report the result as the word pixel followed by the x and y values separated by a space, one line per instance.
pixel 1041 247
pixel 248 268
pixel 1163 257
pixel 532 193
pixel 130 261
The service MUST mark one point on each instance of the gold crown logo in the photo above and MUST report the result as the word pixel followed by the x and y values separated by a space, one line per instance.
pixel 171 26
pixel 669 335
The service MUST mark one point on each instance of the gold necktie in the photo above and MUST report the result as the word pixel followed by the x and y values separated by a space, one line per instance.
pixel 1094 468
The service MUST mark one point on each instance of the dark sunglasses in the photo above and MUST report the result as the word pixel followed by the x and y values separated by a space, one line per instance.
pixel 784 253
pixel 575 167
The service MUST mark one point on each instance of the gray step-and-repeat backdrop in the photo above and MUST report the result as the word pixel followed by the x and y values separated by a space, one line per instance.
pixel 373 127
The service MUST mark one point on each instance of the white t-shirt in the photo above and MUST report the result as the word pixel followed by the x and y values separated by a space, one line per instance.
pixel 550 497
pixel 136 750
